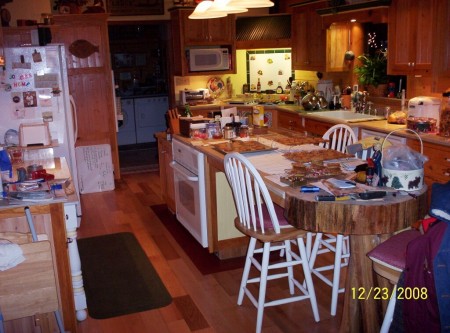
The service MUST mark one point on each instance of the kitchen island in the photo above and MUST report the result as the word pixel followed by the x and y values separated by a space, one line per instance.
pixel 57 219
pixel 368 223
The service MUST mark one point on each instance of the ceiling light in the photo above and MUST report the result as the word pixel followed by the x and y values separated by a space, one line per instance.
pixel 202 11
pixel 224 6
pixel 251 3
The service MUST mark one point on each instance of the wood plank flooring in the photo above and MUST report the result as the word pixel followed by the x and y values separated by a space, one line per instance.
pixel 201 303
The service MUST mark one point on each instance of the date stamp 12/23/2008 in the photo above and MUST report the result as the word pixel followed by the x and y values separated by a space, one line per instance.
pixel 378 293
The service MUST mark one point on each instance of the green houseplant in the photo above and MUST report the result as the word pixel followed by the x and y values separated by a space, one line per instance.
pixel 372 70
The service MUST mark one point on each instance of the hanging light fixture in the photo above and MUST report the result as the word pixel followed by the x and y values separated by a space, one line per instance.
pixel 251 3
pixel 207 9
pixel 224 6
pixel 202 11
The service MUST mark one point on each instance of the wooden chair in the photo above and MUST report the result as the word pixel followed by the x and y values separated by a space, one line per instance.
pixel 338 138
pixel 30 287
pixel 389 262
pixel 263 222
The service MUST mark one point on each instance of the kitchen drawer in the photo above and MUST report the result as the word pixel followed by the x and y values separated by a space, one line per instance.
pixel 316 127
pixel 290 121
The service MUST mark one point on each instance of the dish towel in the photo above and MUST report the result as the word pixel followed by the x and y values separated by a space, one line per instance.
pixel 11 255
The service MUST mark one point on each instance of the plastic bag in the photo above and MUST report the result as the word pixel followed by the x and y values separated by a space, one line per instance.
pixel 403 158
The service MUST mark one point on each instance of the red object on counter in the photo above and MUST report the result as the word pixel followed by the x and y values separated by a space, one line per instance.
pixel 42 174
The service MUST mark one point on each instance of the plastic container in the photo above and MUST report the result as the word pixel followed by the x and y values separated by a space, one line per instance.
pixel 5 165
pixel 405 180
pixel 444 118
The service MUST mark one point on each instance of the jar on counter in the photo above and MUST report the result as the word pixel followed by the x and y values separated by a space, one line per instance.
pixel 243 131
pixel 228 132
pixel 444 119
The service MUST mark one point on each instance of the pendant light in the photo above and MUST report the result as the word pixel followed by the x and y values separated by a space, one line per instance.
pixel 251 3
pixel 202 11
pixel 224 6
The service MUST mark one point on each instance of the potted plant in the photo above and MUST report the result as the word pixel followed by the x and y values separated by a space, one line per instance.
pixel 372 72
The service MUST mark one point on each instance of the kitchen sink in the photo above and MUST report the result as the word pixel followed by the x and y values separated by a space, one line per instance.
pixel 345 116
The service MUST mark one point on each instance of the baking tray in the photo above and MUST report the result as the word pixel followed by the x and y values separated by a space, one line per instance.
pixel 243 147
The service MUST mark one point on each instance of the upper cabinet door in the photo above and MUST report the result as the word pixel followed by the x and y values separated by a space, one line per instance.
pixel 187 33
pixel 308 38
pixel 410 37
pixel 205 32
pixel 441 59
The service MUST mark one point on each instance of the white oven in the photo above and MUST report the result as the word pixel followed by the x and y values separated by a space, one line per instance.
pixel 189 178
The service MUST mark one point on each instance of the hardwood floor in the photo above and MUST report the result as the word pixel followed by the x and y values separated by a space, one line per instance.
pixel 201 303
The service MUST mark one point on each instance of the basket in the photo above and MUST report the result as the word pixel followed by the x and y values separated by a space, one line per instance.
pixel 405 180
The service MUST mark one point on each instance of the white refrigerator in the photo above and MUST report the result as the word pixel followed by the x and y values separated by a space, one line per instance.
pixel 34 89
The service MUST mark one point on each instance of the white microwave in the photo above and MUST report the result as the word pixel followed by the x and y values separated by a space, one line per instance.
pixel 205 60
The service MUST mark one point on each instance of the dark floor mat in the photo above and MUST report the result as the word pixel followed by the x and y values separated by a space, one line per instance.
pixel 118 277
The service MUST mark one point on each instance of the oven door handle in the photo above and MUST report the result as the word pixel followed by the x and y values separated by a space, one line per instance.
pixel 183 171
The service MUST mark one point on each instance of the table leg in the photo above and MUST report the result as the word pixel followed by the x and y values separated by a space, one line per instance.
pixel 362 306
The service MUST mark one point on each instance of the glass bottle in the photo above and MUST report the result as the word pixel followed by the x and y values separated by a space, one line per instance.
pixel 444 119
pixel 279 88
pixel 258 86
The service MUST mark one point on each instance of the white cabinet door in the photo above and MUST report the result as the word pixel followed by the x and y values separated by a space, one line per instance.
pixel 150 117
pixel 127 132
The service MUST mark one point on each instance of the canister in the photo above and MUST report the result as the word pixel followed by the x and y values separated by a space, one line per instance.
pixel 228 132
pixel 243 131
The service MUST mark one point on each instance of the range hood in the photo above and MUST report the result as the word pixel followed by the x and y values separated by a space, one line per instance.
pixel 263 31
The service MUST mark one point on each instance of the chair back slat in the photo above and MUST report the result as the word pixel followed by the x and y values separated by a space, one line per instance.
pixel 339 137
pixel 252 199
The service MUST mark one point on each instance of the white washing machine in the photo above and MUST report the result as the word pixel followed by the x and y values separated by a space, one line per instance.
pixel 127 131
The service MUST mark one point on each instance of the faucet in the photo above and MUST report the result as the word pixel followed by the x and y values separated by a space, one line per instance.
pixel 369 108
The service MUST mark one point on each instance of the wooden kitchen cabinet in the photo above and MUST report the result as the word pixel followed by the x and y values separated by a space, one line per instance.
pixel 186 33
pixel 339 34
pixel 166 171
pixel 308 38
pixel 437 169
pixel 315 127
pixel 441 59
pixel 203 32
pixel 410 37
pixel 90 78
pixel 48 220
pixel 290 121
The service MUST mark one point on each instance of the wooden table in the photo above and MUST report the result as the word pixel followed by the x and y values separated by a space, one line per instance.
pixel 368 224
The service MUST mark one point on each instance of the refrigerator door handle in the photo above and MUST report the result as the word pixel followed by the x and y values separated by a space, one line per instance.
pixel 73 109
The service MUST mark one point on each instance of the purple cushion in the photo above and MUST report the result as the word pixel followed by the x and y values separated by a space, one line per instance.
pixel 393 250
pixel 279 211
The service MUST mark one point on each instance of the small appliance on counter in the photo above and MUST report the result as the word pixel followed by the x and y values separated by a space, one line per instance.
pixel 34 135
pixel 194 96
pixel 189 123
pixel 423 114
